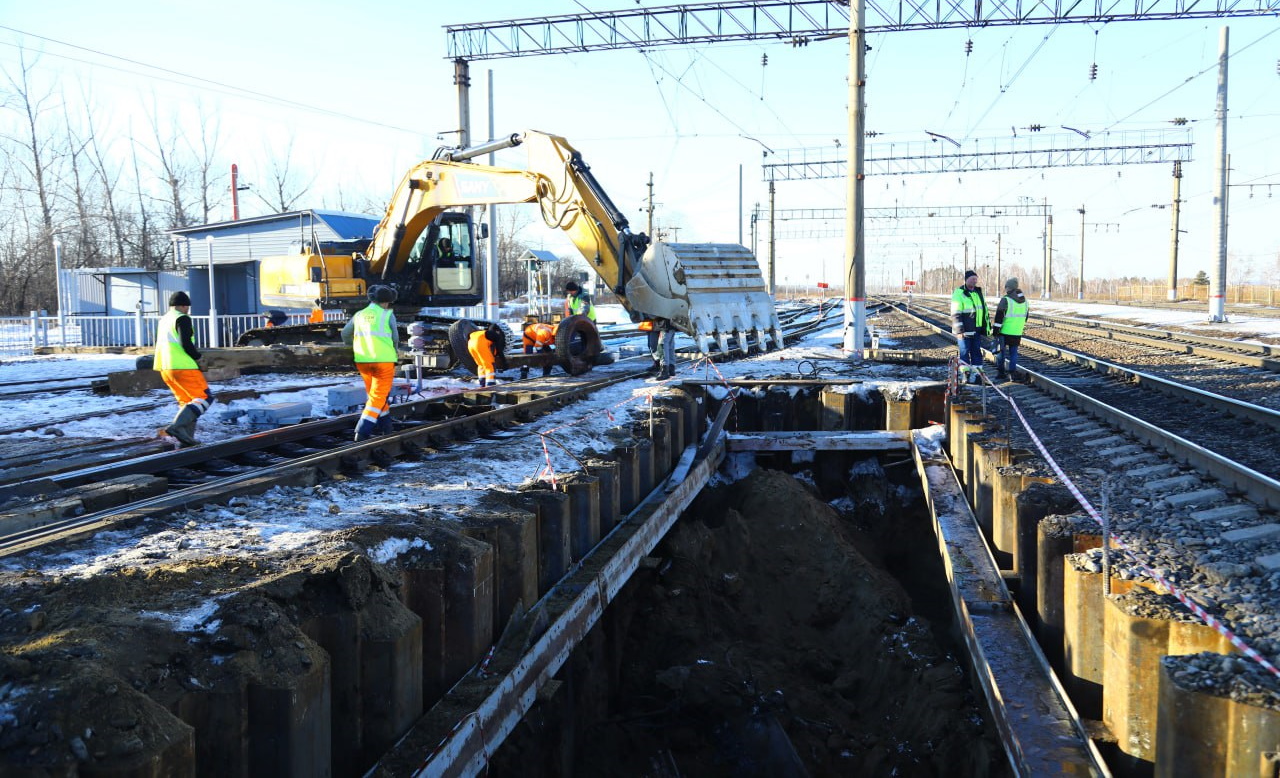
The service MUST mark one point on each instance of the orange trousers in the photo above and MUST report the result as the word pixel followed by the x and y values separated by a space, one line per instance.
pixel 482 352
pixel 378 379
pixel 188 386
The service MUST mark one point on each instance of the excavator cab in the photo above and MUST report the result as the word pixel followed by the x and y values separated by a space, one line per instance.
pixel 442 267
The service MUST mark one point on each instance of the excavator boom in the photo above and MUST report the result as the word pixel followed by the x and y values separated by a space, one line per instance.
pixel 713 292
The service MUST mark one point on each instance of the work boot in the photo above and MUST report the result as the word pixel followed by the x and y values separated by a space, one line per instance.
pixel 524 373
pixel 365 429
pixel 385 425
pixel 1001 375
pixel 483 382
pixel 183 427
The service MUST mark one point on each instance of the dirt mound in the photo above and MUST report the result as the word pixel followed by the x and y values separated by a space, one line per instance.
pixel 770 621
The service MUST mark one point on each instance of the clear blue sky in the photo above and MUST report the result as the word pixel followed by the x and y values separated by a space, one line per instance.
pixel 361 91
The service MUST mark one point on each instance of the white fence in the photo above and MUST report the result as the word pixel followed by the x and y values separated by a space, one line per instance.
pixel 20 336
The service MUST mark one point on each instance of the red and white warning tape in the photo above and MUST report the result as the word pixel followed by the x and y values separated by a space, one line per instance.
pixel 1146 570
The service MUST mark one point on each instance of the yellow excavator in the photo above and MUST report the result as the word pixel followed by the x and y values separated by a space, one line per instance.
pixel 425 248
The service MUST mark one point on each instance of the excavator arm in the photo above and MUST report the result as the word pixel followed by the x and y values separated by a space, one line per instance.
pixel 711 291
pixel 556 179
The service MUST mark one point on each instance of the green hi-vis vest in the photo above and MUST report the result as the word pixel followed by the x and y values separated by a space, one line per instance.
pixel 169 352
pixel 374 338
pixel 1015 318
pixel 963 301
pixel 579 306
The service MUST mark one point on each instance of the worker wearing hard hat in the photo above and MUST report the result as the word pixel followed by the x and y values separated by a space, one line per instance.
pixel 488 348
pixel 542 337
pixel 176 358
pixel 577 302
pixel 373 337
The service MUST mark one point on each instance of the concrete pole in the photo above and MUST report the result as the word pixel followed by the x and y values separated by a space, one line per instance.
pixel 1080 291
pixel 739 203
pixel 462 80
pixel 999 280
pixel 1048 259
pixel 213 300
pixel 1173 241
pixel 855 308
pixel 773 246
pixel 650 208
pixel 57 280
pixel 491 290
pixel 1218 287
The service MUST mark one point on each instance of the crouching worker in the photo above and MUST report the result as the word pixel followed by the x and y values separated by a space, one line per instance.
pixel 540 336
pixel 488 348
pixel 176 358
pixel 373 337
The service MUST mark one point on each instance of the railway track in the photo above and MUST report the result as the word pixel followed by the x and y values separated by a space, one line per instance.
pixel 219 471
pixel 1191 424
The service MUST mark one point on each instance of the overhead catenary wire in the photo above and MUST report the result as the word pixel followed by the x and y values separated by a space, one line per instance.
pixel 185 79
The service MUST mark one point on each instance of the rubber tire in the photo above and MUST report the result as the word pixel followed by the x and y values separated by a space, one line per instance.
pixel 577 344
pixel 459 332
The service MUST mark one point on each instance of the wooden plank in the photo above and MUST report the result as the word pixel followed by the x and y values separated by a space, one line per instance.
pixel 820 441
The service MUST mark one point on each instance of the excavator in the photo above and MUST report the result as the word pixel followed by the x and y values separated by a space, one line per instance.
pixel 425 248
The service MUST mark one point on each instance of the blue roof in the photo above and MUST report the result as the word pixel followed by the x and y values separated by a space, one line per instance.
pixel 349 225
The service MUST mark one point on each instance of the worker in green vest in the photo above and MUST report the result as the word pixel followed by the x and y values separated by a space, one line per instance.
pixel 176 359
pixel 969 324
pixel 373 336
pixel 577 302
pixel 1010 321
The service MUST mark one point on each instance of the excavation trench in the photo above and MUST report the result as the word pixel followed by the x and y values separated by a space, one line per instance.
pixel 787 625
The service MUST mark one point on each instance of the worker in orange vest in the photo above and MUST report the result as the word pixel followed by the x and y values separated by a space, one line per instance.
pixel 488 348
pixel 541 336
pixel 317 314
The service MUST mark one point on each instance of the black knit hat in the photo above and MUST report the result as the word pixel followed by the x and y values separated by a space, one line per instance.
pixel 968 274
pixel 572 286
pixel 382 294
pixel 179 298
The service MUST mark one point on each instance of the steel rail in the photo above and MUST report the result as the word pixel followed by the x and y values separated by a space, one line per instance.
pixel 346 456
pixel 1259 488
pixel 383 447
pixel 1251 354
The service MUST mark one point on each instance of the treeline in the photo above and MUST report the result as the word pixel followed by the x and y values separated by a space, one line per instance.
pixel 107 195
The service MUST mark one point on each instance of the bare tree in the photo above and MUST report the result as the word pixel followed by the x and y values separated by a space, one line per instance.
pixel 205 156
pixel 285 188
pixel 85 249
pixel 171 169
pixel 108 174
pixel 32 150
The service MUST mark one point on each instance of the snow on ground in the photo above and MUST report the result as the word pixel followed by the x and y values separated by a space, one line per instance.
pixel 295 519
pixel 1244 326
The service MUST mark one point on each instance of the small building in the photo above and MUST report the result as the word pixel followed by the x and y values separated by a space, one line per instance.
pixel 236 248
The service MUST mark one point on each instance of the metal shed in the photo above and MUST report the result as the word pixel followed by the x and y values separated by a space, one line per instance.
pixel 236 247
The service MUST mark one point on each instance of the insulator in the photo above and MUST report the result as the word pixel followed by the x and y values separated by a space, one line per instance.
pixel 968 47
pixel 764 60
pixel 417 328
pixel 1093 72
pixel 1036 127
pixel 1180 121
pixel 417 343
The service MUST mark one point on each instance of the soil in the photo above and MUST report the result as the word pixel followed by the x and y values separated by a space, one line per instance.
pixel 93 673
pixel 771 645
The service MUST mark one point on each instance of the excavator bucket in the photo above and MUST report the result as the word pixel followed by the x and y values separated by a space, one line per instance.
pixel 712 292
